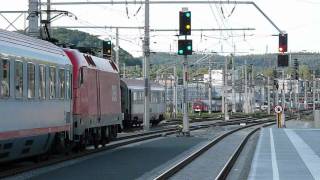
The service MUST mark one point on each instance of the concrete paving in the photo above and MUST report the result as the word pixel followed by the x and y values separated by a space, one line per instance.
pixel 287 154
pixel 126 163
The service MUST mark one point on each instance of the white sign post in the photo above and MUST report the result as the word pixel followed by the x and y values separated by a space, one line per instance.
pixel 279 119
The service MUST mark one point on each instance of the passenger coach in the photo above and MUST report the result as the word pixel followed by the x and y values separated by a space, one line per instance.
pixel 35 96
pixel 132 93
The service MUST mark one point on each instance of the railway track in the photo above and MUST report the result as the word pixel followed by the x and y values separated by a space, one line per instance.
pixel 231 161
pixel 122 141
pixel 193 126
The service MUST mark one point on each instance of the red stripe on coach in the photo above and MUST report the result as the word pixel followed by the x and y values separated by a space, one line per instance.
pixel 32 132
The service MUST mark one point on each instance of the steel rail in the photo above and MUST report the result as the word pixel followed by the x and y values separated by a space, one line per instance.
pixel 177 167
pixel 232 160
pixel 223 174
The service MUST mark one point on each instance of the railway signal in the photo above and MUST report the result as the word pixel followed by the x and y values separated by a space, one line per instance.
pixel 283 43
pixel 185 22
pixel 283 60
pixel 107 49
pixel 185 47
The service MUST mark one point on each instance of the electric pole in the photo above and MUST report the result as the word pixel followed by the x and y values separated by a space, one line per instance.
pixel 117 47
pixel 210 87
pixel 268 89
pixel 175 98
pixel 233 90
pixel 49 16
pixel 33 18
pixel 225 89
pixel 283 91
pixel 305 95
pixel 245 89
pixel 314 93
pixel 146 54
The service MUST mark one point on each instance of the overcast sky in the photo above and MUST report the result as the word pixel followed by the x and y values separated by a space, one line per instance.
pixel 300 18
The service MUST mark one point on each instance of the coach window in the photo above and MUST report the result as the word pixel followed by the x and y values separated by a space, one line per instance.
pixel 162 97
pixel 52 82
pixel 31 80
pixel 153 97
pixel 61 83
pixel 18 79
pixel 68 84
pixel 42 82
pixel 5 79
pixel 135 96
pixel 141 96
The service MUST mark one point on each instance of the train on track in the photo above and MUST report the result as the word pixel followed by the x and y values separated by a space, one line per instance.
pixel 216 106
pixel 132 91
pixel 53 99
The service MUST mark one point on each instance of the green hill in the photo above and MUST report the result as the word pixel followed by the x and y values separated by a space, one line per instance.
pixel 75 38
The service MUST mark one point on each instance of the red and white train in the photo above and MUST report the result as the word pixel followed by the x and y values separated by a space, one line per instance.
pixel 52 97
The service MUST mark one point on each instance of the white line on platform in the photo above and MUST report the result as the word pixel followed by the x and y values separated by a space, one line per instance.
pixel 254 165
pixel 275 170
pixel 309 157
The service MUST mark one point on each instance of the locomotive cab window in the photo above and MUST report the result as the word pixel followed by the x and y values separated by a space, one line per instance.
pixel 52 82
pixel 18 79
pixel 42 82
pixel 5 78
pixel 31 80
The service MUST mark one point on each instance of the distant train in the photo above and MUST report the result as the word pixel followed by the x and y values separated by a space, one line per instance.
pixel 53 99
pixel 132 93
pixel 216 106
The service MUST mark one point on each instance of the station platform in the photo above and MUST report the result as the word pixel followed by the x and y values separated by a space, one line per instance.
pixel 287 154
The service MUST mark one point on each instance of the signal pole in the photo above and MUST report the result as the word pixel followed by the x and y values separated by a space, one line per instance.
pixel 146 54
pixel 283 91
pixel 185 95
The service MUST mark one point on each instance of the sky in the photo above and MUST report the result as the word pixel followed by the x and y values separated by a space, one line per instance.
pixel 299 18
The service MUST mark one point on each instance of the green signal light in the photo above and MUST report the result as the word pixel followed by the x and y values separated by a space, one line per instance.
pixel 188 14
pixel 180 51
pixel 189 48
pixel 109 42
